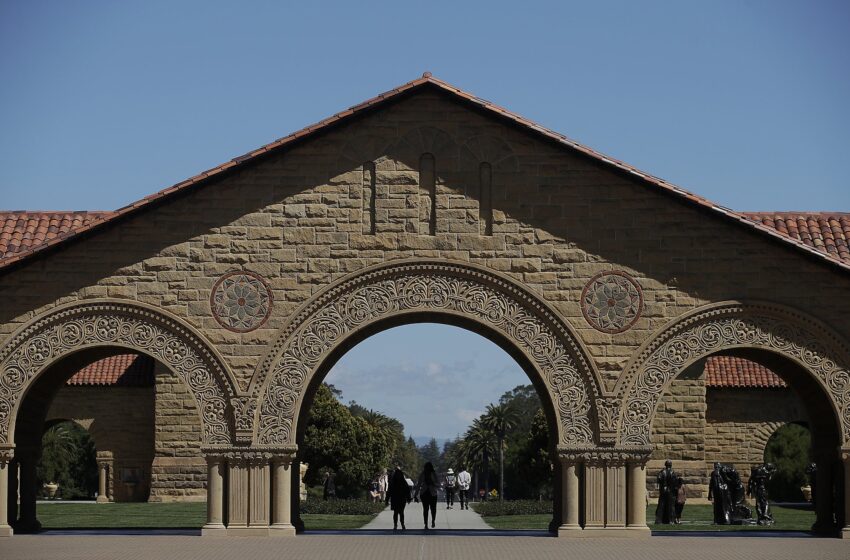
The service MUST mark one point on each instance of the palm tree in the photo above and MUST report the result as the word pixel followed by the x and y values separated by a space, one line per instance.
pixel 479 444
pixel 500 419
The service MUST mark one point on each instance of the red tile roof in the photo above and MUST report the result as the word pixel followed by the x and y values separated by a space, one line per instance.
pixel 426 81
pixel 24 231
pixel 124 370
pixel 828 232
pixel 732 372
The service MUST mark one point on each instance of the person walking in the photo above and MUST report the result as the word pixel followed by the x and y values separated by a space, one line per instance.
pixel 451 486
pixel 398 496
pixel 464 479
pixel 328 487
pixel 681 498
pixel 383 483
pixel 426 490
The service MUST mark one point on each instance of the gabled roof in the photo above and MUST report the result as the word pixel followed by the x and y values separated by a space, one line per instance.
pixel 24 231
pixel 828 232
pixel 737 373
pixel 426 81
pixel 122 370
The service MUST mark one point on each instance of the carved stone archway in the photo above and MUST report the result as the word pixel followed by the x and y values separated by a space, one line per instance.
pixel 66 330
pixel 730 326
pixel 467 292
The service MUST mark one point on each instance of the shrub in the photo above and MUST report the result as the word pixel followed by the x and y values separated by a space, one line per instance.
pixel 513 507
pixel 341 507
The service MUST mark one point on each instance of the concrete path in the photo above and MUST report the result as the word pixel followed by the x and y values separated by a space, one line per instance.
pixel 453 519
pixel 436 546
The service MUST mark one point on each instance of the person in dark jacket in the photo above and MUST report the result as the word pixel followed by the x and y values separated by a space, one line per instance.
pixel 398 496
pixel 426 490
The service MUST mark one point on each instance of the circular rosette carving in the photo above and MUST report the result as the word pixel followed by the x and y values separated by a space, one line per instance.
pixel 612 302
pixel 241 301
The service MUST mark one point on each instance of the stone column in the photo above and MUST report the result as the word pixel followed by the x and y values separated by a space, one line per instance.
pixel 260 492
pixel 636 482
pixel 615 494
pixel 27 519
pixel 569 496
pixel 5 460
pixel 594 494
pixel 237 494
pixel 845 462
pixel 282 498
pixel 215 496
pixel 102 468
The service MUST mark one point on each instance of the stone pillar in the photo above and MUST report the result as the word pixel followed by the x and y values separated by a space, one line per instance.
pixel 636 483
pixel 215 496
pixel 27 519
pixel 282 498
pixel 569 497
pixel 615 494
pixel 845 462
pixel 102 473
pixel 237 494
pixel 5 461
pixel 260 488
pixel 594 494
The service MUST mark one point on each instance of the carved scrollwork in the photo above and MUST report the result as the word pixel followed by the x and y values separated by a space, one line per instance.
pixel 461 290
pixel 730 326
pixel 64 331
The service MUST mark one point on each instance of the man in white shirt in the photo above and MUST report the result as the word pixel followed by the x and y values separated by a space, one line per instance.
pixel 463 481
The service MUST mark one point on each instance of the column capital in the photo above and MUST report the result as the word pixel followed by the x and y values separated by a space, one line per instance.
pixel 7 453
pixel 603 455
pixel 104 458
pixel 252 454
pixel 845 454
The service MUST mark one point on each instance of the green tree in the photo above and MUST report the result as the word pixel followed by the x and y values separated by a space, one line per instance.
pixel 478 446
pixel 526 402
pixel 788 449
pixel 68 458
pixel 500 419
pixel 430 452
pixel 531 464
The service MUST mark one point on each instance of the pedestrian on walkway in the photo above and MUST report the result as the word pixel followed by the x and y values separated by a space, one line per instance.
pixel 451 486
pixel 383 483
pixel 398 496
pixel 681 498
pixel 464 479
pixel 426 490
pixel 328 487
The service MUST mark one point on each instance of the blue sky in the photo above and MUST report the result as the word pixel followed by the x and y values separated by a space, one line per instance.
pixel 743 102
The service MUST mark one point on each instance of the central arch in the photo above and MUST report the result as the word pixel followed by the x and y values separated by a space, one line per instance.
pixel 436 291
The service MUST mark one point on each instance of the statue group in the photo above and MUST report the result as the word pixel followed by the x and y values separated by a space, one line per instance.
pixel 725 491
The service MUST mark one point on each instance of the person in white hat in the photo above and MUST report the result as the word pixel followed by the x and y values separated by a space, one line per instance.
pixel 451 486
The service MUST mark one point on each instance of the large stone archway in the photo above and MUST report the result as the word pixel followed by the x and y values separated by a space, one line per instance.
pixel 473 294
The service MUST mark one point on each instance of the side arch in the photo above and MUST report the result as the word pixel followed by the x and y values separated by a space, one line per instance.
pixel 773 328
pixel 92 324
pixel 386 292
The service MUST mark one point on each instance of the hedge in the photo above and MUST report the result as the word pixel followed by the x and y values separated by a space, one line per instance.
pixel 341 507
pixel 512 507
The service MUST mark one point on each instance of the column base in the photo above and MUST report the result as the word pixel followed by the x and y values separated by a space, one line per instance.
pixel 102 500
pixel 568 530
pixel 604 532
pixel 247 531
pixel 282 530
pixel 6 531
pixel 845 533
pixel 213 530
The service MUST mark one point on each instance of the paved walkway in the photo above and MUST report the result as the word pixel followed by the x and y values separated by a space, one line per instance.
pixel 416 546
pixel 451 519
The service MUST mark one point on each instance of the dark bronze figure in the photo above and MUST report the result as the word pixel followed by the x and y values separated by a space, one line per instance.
pixel 737 494
pixel 665 512
pixel 757 486
pixel 718 494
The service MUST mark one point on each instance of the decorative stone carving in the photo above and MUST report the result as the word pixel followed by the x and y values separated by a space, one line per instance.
pixel 244 408
pixel 241 301
pixel 724 327
pixel 120 325
pixel 459 290
pixel 611 302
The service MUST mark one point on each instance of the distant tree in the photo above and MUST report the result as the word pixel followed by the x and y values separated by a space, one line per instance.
pixel 430 452
pixel 500 419
pixel 526 402
pixel 478 446
pixel 531 463
pixel 788 449
pixel 68 458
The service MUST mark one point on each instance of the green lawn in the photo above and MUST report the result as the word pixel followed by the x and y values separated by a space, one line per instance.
pixel 695 518
pixel 58 515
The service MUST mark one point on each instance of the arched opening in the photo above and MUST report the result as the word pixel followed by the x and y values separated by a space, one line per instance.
pixel 417 401
pixel 726 406
pixel 67 468
pixel 113 394
pixel 789 450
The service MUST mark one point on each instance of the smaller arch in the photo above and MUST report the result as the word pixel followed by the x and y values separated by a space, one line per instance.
pixel 102 324
pixel 733 326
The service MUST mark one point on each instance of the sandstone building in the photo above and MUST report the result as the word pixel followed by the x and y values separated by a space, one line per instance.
pixel 613 290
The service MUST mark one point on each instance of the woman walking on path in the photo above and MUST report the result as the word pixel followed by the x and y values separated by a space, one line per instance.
pixel 426 490
pixel 398 496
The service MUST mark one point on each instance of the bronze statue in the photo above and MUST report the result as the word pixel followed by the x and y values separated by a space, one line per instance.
pixel 665 512
pixel 737 494
pixel 718 494
pixel 757 486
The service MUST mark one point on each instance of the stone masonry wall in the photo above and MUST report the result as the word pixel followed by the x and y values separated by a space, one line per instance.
pixel 120 420
pixel 179 469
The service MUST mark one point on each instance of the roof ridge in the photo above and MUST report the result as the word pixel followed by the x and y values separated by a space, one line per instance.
pixel 426 78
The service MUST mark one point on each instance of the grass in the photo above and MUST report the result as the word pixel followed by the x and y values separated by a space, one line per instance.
pixel 695 518
pixel 58 515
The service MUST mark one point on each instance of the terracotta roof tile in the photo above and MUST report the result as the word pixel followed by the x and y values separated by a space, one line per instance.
pixel 124 370
pixel 199 180
pixel 828 232
pixel 732 372
pixel 24 231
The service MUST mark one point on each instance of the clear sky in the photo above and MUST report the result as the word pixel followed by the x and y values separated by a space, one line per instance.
pixel 744 102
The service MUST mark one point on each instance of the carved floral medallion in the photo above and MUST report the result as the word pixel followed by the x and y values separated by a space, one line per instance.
pixel 241 301
pixel 612 302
